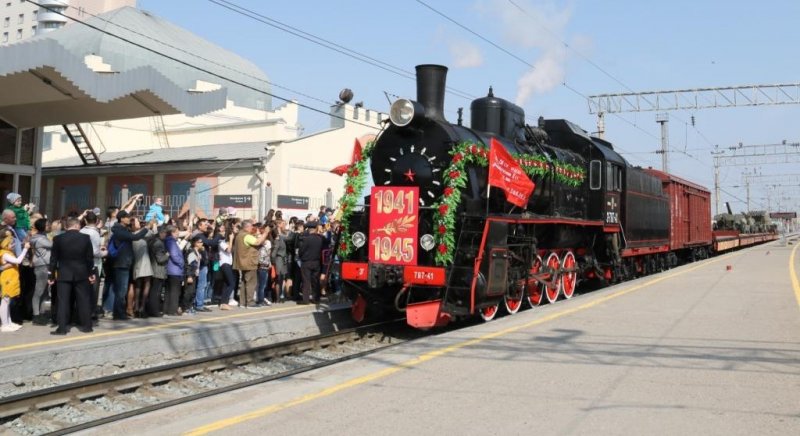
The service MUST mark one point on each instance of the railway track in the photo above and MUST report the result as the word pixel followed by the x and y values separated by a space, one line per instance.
pixel 82 405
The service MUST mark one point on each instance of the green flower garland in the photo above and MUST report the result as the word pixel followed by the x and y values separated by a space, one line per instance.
pixel 354 184
pixel 456 179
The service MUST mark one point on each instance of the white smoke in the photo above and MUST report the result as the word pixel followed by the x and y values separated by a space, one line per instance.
pixel 548 73
pixel 465 55
pixel 538 29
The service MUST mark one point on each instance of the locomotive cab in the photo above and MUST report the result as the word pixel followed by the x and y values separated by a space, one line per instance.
pixel 606 169
pixel 606 175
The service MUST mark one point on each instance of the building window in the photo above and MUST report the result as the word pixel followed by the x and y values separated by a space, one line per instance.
pixel 35 14
pixel 8 144
pixel 5 36
pixel 19 33
pixel 47 141
pixel 6 21
pixel 33 30
pixel 21 19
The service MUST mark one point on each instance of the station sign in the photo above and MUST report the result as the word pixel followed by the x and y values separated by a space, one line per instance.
pixel 238 201
pixel 783 215
pixel 292 202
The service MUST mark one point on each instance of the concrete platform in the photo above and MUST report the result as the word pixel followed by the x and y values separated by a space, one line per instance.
pixel 31 358
pixel 701 349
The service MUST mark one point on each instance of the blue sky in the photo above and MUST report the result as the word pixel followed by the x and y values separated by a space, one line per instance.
pixel 644 45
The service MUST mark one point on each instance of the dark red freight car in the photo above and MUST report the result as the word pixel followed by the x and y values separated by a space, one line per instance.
pixel 690 215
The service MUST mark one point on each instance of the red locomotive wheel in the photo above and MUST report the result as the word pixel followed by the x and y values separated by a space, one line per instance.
pixel 535 289
pixel 488 313
pixel 551 292
pixel 513 303
pixel 568 279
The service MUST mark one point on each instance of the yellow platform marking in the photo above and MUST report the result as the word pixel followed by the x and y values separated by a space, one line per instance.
pixel 793 275
pixel 85 337
pixel 219 425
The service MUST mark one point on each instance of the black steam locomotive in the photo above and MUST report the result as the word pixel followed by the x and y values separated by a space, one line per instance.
pixel 431 239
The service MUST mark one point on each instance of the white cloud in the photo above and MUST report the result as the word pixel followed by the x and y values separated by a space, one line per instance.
pixel 465 55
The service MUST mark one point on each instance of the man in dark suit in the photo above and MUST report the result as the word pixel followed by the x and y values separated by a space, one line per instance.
pixel 310 254
pixel 72 258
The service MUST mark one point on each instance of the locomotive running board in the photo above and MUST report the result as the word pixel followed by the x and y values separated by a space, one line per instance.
pixel 427 314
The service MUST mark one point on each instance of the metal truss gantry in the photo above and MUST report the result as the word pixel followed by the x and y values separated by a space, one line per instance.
pixel 693 99
pixel 752 155
pixel 762 154
pixel 776 180
pixel 780 187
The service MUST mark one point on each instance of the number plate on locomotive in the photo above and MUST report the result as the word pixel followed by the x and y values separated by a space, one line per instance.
pixel 393 219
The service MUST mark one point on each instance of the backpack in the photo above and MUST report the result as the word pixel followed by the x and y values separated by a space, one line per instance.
pixel 114 248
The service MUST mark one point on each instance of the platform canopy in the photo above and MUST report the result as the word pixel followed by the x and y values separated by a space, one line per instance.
pixel 80 74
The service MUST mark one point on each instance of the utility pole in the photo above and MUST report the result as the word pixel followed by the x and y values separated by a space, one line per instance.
pixel 747 175
pixel 601 125
pixel 747 186
pixel 663 118
pixel 716 154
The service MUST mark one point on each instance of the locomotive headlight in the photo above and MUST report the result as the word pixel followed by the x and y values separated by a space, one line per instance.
pixel 402 112
pixel 358 239
pixel 427 242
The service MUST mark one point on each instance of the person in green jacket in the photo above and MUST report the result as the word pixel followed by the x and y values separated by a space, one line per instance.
pixel 22 212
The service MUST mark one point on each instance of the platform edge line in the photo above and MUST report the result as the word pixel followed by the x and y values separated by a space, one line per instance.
pixel 793 275
pixel 258 413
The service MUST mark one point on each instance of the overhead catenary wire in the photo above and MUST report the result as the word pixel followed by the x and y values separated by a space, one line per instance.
pixel 566 85
pixel 326 43
pixel 225 66
pixel 204 70
pixel 523 61
pixel 528 64
pixel 598 67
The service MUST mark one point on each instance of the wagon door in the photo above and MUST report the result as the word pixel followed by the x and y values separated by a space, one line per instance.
pixel 697 209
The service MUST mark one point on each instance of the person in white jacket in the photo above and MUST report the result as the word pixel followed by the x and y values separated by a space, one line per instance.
pixel 99 250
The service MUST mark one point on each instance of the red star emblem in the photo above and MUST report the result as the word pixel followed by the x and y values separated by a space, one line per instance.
pixel 409 175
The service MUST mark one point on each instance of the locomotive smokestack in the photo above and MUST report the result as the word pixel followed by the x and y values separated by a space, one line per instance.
pixel 430 90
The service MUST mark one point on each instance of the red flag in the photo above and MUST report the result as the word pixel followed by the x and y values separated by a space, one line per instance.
pixel 342 169
pixel 505 173
pixel 356 152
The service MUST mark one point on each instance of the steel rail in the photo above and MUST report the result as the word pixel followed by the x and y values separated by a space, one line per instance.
pixel 75 393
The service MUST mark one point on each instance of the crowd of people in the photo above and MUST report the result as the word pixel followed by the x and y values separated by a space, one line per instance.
pixel 122 266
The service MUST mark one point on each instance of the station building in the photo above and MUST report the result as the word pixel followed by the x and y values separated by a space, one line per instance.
pixel 201 132
pixel 20 153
